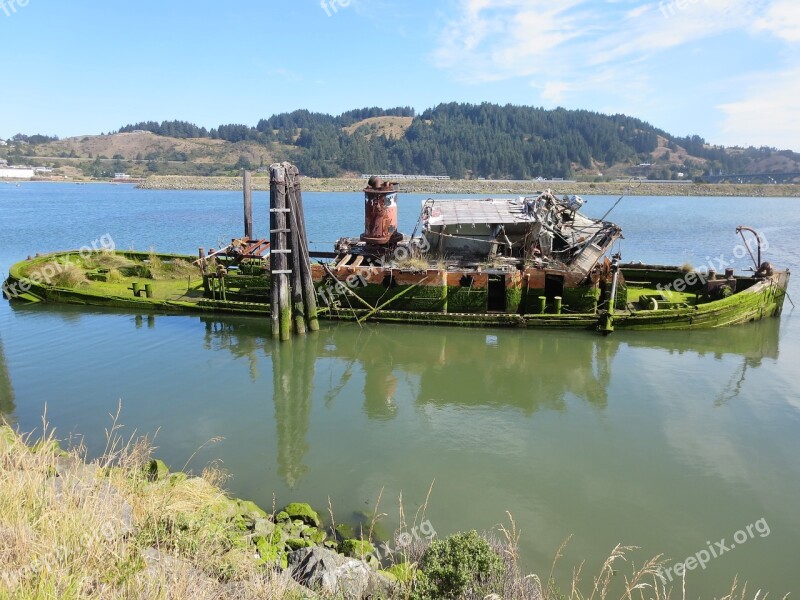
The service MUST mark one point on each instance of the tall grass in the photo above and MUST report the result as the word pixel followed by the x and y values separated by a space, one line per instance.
pixel 65 275
pixel 159 269
pixel 64 530
pixel 106 259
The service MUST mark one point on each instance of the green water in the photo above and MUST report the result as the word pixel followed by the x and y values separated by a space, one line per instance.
pixel 665 441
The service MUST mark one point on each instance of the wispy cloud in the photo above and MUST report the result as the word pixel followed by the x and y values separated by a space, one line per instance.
pixel 513 38
pixel 767 115
pixel 782 18
pixel 575 49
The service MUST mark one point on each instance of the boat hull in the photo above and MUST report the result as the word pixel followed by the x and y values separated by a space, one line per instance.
pixel 762 298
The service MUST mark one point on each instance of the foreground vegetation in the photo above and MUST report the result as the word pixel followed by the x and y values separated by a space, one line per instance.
pixel 123 526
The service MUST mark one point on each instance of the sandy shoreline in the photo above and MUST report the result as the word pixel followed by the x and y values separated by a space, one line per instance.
pixel 168 182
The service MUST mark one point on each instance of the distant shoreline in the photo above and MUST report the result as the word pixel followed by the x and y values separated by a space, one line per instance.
pixel 464 186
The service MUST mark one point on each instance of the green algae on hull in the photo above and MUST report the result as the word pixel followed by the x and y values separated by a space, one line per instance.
pixel 426 298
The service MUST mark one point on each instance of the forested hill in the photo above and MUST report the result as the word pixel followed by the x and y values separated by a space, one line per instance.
pixel 486 140
pixel 459 140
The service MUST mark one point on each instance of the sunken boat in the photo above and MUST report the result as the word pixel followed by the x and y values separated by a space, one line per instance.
pixel 534 261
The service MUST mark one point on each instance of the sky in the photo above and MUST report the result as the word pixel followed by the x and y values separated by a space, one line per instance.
pixel 728 70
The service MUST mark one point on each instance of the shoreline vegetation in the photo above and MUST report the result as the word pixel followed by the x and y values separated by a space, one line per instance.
pixel 479 186
pixel 457 186
pixel 124 526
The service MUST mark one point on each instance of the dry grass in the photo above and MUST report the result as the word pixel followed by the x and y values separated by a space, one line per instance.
pixel 59 274
pixel 381 126
pixel 115 276
pixel 413 263
pixel 620 578
pixel 107 260
pixel 102 530
pixel 158 269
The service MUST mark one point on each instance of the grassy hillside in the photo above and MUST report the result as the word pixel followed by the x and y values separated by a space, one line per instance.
pixel 463 141
pixel 381 126
pixel 142 154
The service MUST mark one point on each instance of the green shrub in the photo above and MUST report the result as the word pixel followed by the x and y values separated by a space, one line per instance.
pixel 462 564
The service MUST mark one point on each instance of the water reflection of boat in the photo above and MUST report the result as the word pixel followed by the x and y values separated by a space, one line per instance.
pixel 391 371
pixel 753 342
pixel 463 368
pixel 6 389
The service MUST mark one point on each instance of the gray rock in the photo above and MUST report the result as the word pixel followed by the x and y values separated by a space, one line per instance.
pixel 79 482
pixel 323 570
pixel 381 586
pixel 263 527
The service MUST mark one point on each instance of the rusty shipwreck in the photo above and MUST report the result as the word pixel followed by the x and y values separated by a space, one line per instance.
pixel 535 261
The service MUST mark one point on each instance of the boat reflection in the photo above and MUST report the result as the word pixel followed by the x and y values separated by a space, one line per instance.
pixel 7 407
pixel 396 369
pixel 388 373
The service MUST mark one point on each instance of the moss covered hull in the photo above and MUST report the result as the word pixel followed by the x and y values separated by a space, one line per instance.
pixel 165 283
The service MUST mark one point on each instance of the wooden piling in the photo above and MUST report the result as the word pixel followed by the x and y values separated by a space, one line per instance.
pixel 248 205
pixel 281 308
pixel 294 299
pixel 298 308
pixel 309 292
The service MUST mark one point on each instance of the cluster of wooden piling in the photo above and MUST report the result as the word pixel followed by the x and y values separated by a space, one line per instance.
pixel 294 304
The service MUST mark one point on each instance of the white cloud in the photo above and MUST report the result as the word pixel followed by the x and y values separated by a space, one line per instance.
pixel 555 91
pixel 767 115
pixel 576 51
pixel 782 19
pixel 509 38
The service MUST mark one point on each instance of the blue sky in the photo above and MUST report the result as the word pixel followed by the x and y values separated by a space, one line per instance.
pixel 728 70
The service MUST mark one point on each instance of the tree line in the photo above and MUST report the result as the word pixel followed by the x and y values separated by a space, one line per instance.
pixel 464 140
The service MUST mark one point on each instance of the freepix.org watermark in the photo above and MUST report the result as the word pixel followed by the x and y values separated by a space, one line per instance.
pixel 105 243
pixel 669 8
pixel 9 7
pixel 423 531
pixel 715 550
pixel 715 264
pixel 331 292
pixel 331 7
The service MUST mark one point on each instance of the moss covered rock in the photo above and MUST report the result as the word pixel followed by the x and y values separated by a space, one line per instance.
pixel 263 526
pixel 356 548
pixel 297 543
pixel 269 552
pixel 157 470
pixel 302 511
pixel 248 508
pixel 345 531
pixel 7 437
pixel 317 536
pixel 52 447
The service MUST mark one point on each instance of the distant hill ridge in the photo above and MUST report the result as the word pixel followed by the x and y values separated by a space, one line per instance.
pixel 460 140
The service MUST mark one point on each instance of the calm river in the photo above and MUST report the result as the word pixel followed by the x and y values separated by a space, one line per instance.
pixel 667 441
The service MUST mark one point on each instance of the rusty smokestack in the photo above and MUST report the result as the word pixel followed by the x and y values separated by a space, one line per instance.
pixel 380 213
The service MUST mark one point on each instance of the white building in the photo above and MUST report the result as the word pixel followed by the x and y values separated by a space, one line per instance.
pixel 16 173
pixel 3 143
